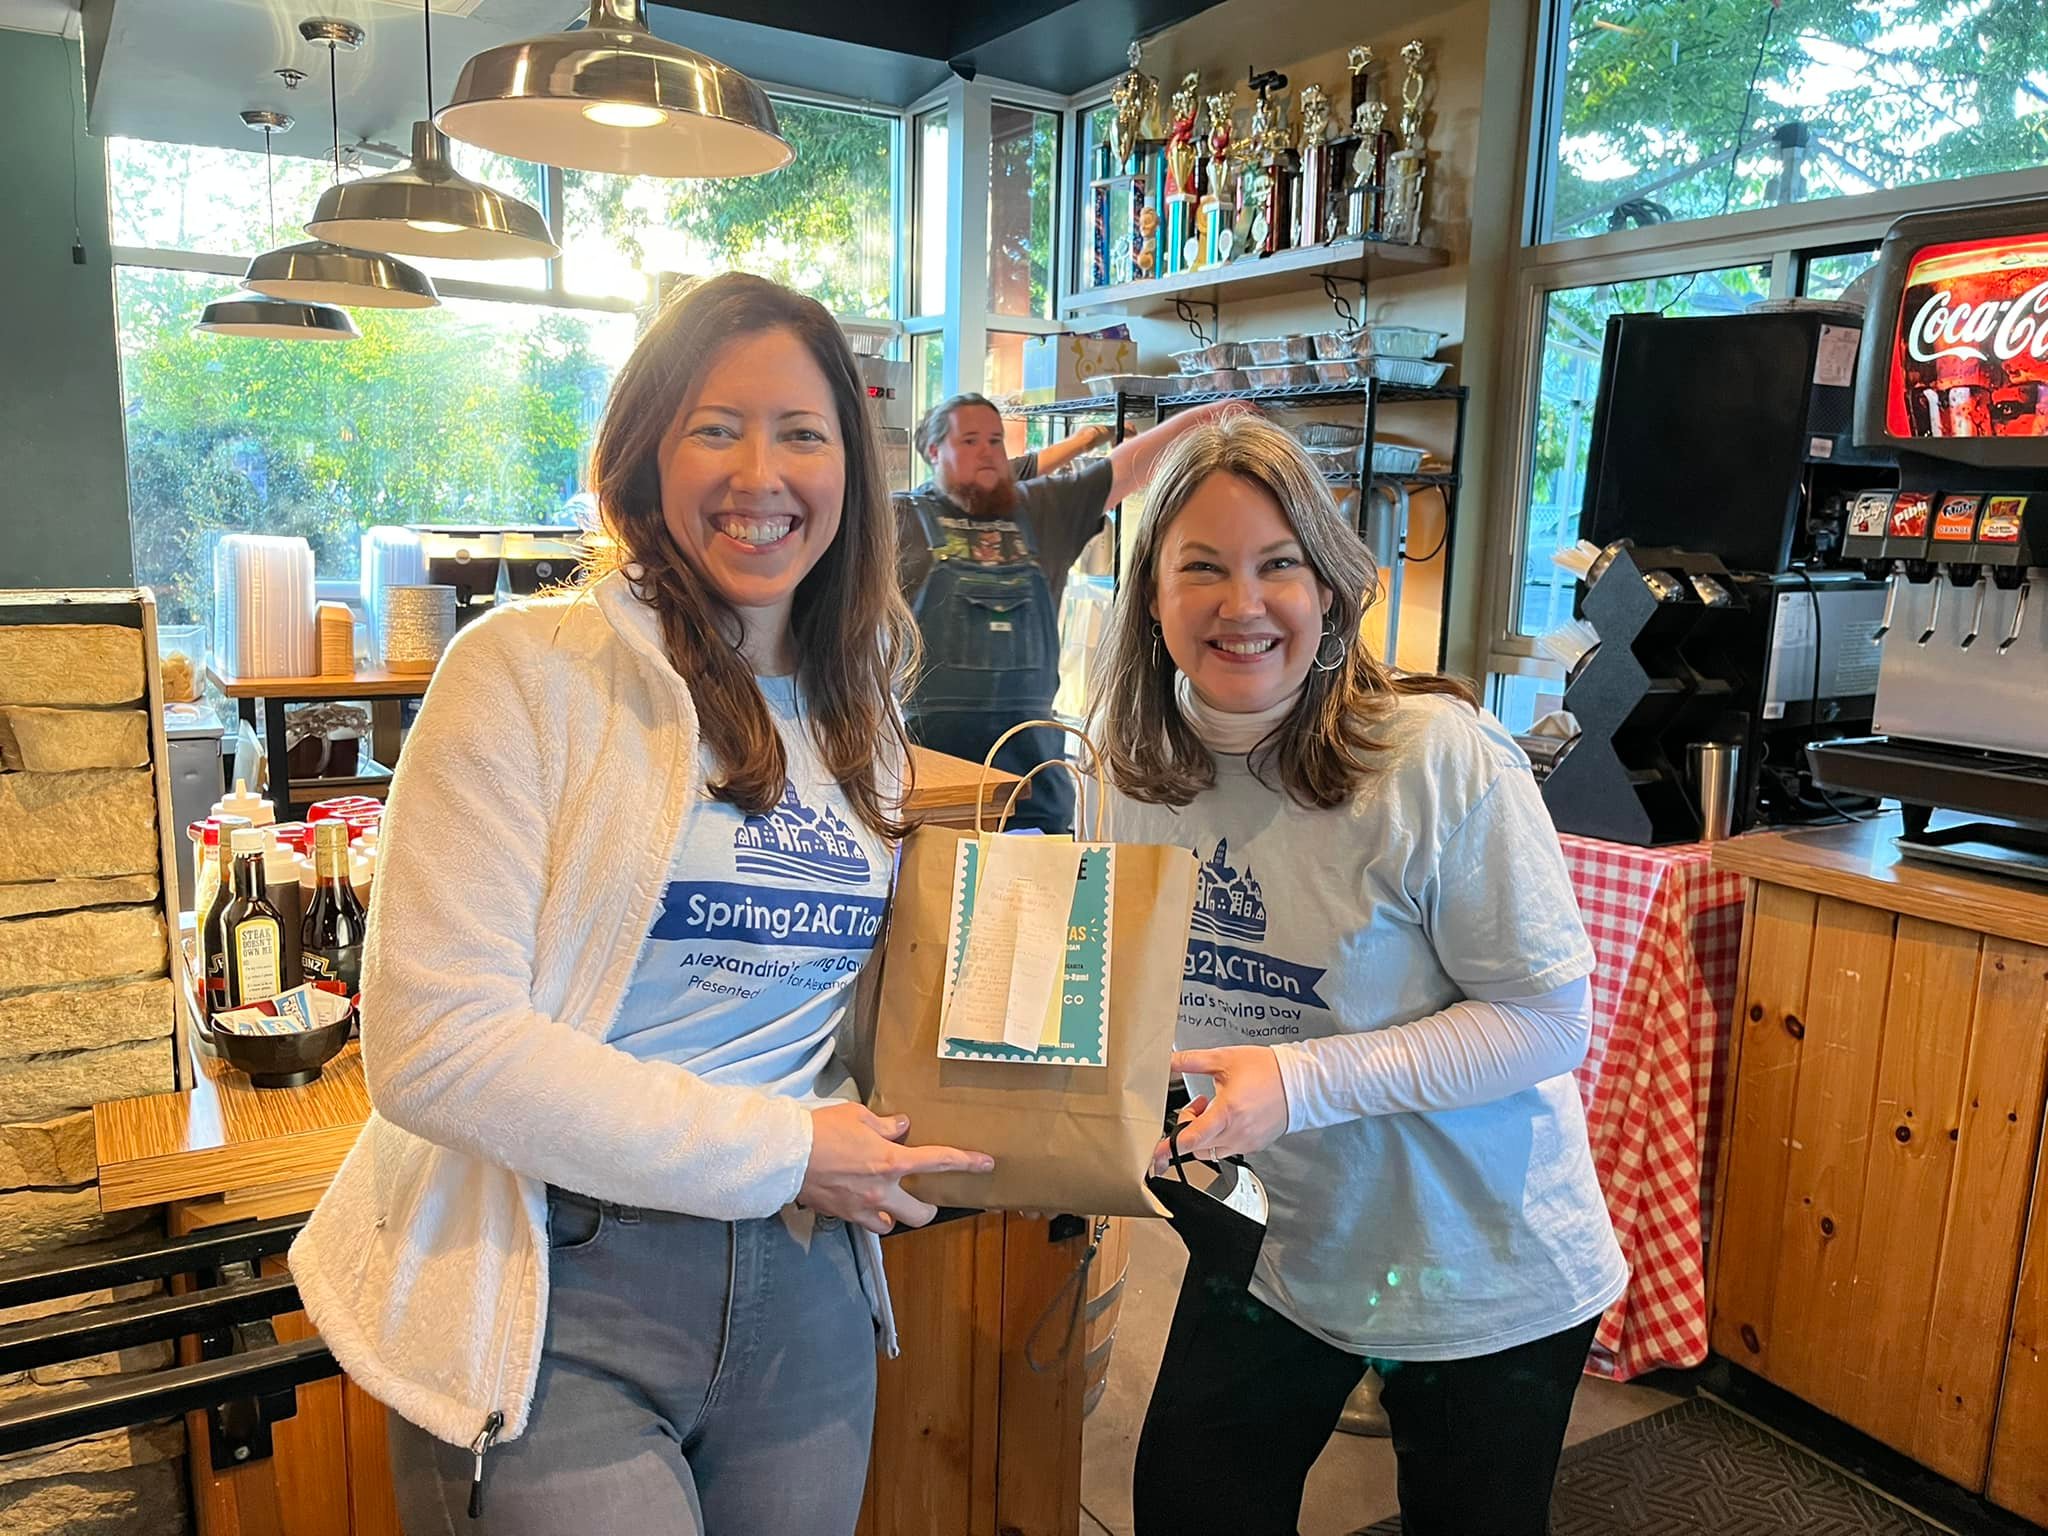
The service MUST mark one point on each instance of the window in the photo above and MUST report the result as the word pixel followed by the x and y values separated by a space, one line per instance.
pixel 475 412
pixel 1673 109
pixel 929 229
pixel 1829 276
pixel 1023 172
pixel 820 225
pixel 194 197
pixel 1574 327
pixel 1002 376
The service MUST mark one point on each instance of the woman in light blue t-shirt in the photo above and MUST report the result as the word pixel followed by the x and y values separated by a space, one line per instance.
pixel 1385 996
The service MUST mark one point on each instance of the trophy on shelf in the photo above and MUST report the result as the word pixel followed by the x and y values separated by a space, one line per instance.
pixel 1183 243
pixel 1219 202
pixel 1128 96
pixel 1135 97
pixel 1312 190
pixel 1407 166
pixel 1363 198
pixel 1264 214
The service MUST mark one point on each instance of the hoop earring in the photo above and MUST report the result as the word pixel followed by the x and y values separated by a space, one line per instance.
pixel 1343 651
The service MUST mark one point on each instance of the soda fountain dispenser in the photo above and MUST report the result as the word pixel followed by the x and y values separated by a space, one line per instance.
pixel 1953 378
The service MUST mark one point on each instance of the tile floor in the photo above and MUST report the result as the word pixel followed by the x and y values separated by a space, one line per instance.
pixel 1351 1487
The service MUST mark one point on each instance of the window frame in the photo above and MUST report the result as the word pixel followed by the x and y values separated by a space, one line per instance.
pixel 1783 237
pixel 552 294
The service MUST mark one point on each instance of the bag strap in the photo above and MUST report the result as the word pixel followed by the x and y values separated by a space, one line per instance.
pixel 1094 772
pixel 1077 1282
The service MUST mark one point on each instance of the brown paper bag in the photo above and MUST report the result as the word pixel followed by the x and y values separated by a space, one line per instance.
pixel 1064 1138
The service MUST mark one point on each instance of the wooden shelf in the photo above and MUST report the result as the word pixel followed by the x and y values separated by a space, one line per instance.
pixel 1251 279
pixel 371 683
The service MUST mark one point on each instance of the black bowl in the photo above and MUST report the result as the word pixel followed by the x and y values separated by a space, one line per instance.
pixel 285 1061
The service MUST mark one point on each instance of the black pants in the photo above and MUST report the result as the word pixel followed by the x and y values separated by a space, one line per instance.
pixel 1246 1401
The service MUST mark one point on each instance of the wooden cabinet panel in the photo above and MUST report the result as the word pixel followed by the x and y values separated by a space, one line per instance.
pixel 1881 1155
pixel 1906 1179
pixel 2019 1453
pixel 934 1404
pixel 2000 1137
pixel 1830 1128
pixel 1038 1473
pixel 1763 1073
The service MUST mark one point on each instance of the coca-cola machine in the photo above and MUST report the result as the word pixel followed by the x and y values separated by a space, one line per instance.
pixel 1954 379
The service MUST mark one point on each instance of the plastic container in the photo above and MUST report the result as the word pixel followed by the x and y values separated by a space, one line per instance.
pixel 1290 376
pixel 263 606
pixel 1409 371
pixel 1217 355
pixel 1133 384
pixel 181 650
pixel 246 803
pixel 1274 351
pixel 1384 340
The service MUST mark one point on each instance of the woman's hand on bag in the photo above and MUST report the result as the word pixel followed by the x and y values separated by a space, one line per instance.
pixel 857 1168
pixel 1246 1113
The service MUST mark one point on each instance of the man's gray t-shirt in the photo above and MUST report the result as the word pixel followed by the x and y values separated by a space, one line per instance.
pixel 1059 514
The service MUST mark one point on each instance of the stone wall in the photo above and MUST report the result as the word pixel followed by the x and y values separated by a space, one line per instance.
pixel 86 1014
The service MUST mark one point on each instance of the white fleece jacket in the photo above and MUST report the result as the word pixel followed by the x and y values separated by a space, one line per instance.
pixel 526 844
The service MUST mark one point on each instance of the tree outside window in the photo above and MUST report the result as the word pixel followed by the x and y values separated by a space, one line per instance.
pixel 1684 109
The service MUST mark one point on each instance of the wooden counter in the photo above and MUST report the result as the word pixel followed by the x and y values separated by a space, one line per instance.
pixel 1881 1140
pixel 968 1438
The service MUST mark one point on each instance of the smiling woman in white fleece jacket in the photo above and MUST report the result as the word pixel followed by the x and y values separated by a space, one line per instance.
pixel 557 1234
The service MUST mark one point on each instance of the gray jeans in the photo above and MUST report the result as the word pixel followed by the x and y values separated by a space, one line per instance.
pixel 699 1378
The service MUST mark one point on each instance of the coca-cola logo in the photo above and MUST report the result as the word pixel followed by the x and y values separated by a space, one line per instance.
pixel 1996 328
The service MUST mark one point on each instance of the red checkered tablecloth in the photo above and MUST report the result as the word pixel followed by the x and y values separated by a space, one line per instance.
pixel 1667 937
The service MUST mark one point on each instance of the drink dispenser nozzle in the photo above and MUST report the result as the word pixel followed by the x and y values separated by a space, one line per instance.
pixel 2019 617
pixel 1977 610
pixel 1891 599
pixel 1933 614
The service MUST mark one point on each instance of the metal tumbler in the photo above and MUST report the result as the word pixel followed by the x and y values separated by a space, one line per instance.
pixel 1716 767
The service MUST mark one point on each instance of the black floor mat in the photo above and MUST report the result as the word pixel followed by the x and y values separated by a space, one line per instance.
pixel 1696 1469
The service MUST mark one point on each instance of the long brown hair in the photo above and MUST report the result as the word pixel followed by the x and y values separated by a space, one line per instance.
pixel 853 635
pixel 1321 754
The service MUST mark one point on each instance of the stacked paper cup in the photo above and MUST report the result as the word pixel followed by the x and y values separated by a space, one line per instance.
pixel 416 624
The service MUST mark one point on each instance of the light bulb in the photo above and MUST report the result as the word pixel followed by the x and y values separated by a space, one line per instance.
pixel 619 114
pixel 432 226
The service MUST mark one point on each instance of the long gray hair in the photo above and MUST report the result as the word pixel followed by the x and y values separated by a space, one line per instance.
pixel 1322 752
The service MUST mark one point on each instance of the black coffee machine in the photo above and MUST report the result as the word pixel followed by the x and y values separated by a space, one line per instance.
pixel 1719 476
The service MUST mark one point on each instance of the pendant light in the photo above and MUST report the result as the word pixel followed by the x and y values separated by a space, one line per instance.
pixel 323 273
pixel 614 97
pixel 427 207
pixel 248 314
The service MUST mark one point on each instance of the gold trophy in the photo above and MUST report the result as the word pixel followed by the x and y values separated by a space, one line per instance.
pixel 1407 167
pixel 1311 222
pixel 1180 138
pixel 1183 248
pixel 1131 96
pixel 1256 155
pixel 1219 203
pixel 1368 122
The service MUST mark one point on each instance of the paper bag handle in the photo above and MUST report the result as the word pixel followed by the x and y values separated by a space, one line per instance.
pixel 1094 771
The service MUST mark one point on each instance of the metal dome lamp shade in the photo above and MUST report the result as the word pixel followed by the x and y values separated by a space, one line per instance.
pixel 250 315
pixel 427 207
pixel 613 97
pixel 319 272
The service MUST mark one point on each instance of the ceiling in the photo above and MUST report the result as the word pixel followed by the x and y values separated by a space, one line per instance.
pixel 181 70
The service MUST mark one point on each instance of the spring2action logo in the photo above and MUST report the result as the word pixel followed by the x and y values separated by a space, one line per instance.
pixel 1230 912
pixel 804 853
